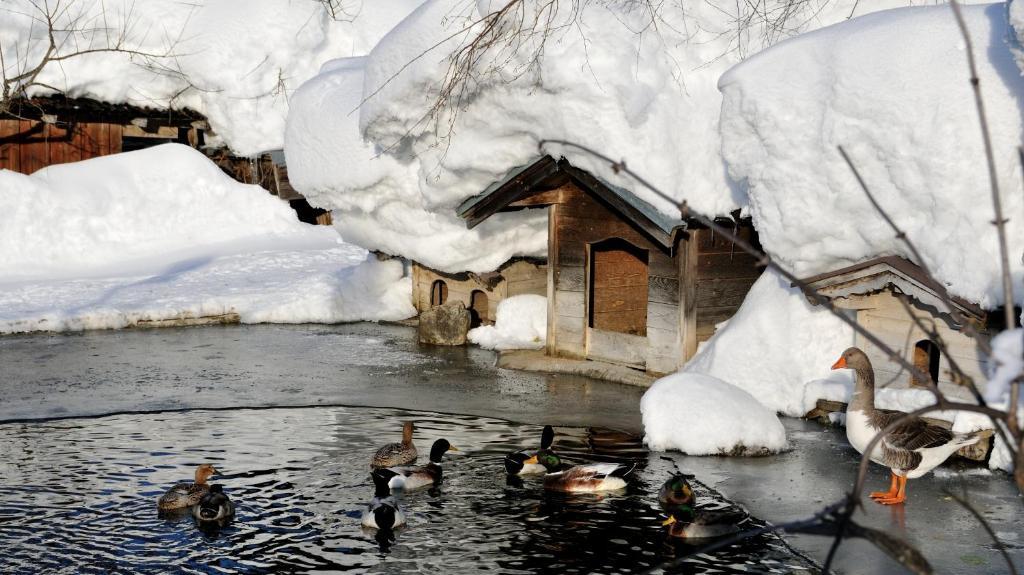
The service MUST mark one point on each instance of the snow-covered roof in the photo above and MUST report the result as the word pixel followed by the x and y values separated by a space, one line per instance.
pixel 890 272
pixel 540 175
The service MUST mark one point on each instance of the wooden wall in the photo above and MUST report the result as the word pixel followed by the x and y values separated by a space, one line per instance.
pixel 885 316
pixel 26 146
pixel 724 276
pixel 516 278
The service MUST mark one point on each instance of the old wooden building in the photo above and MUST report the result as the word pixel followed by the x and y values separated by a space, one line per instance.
pixel 625 283
pixel 872 290
pixel 480 293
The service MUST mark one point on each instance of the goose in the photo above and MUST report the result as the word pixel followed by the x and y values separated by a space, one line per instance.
pixel 186 494
pixel 589 478
pixel 394 454
pixel 912 449
pixel 214 507
pixel 383 512
pixel 425 475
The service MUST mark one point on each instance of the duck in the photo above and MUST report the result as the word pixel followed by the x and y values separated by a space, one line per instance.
pixel 687 521
pixel 416 477
pixel 392 454
pixel 214 507
pixel 383 511
pixel 543 461
pixel 589 478
pixel 911 450
pixel 186 494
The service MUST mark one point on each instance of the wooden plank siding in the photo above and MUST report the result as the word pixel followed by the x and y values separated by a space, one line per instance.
pixel 724 275
pixel 526 278
pixel 29 145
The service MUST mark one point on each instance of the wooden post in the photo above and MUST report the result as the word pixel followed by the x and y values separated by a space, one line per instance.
pixel 688 296
pixel 552 276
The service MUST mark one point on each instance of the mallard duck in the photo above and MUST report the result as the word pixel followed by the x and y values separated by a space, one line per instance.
pixel 686 520
pixel 543 461
pixel 383 511
pixel 912 449
pixel 393 454
pixel 589 478
pixel 214 507
pixel 187 494
pixel 425 475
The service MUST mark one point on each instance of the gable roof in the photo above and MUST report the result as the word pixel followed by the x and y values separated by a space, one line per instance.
pixel 893 272
pixel 546 173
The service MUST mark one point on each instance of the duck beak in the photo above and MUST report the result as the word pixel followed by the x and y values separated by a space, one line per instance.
pixel 452 448
pixel 840 363
pixel 671 519
pixel 531 461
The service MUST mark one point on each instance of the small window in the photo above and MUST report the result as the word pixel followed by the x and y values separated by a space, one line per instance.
pixel 926 359
pixel 478 308
pixel 438 293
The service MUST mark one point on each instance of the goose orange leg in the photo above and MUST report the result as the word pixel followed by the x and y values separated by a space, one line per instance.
pixel 893 489
pixel 900 497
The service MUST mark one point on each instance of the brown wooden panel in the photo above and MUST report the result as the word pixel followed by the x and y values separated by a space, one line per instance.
pixel 722 293
pixel 116 141
pixel 585 230
pixel 727 266
pixel 9 152
pixel 620 348
pixel 710 242
pixel 618 288
pixel 663 290
pixel 570 278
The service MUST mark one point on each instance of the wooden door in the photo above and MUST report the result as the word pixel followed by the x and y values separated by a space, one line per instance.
pixel 617 302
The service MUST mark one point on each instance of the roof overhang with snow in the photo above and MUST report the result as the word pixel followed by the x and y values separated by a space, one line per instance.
pixel 64 109
pixel 890 272
pixel 519 185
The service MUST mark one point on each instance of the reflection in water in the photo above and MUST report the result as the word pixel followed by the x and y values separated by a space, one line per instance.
pixel 80 495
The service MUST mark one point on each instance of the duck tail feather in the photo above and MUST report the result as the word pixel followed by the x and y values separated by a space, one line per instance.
pixel 623 470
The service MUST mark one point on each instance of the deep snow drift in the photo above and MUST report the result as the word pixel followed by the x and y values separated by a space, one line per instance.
pixel 608 80
pixel 162 233
pixel 521 323
pixel 911 127
pixel 238 66
pixel 701 415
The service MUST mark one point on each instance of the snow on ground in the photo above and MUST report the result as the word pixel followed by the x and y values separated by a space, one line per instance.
pixel 162 233
pixel 521 323
pixel 236 66
pixel 609 80
pixel 774 344
pixel 911 127
pixel 701 415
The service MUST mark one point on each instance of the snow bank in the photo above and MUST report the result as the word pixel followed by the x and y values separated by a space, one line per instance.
pixel 522 323
pixel 1005 364
pixel 236 66
pixel 774 345
pixel 911 127
pixel 701 415
pixel 163 234
pixel 652 89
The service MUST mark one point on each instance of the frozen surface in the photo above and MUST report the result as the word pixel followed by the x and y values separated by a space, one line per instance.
pixel 701 415
pixel 916 141
pixel 163 234
pixel 238 67
pixel 521 323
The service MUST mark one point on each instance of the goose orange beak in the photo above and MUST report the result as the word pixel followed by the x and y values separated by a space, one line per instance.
pixel 840 364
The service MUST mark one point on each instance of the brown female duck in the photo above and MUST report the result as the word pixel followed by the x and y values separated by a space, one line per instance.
pixel 187 494
pixel 393 454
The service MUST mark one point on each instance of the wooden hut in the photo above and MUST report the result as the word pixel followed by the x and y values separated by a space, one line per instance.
pixel 625 283
pixel 872 290
pixel 480 293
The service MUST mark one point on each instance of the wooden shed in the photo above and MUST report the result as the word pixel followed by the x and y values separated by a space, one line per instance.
pixel 625 283
pixel 480 293
pixel 872 290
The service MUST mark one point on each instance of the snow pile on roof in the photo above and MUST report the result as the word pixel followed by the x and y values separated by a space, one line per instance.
pixel 163 233
pixel 1005 364
pixel 702 415
pixel 774 345
pixel 235 64
pixel 521 323
pixel 609 80
pixel 910 125
pixel 377 201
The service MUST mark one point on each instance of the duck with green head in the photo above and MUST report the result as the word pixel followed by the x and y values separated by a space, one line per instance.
pixel 686 520
pixel 383 512
pixel 214 508
pixel 425 475
pixel 544 460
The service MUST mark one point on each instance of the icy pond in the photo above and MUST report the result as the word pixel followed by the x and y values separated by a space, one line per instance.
pixel 81 498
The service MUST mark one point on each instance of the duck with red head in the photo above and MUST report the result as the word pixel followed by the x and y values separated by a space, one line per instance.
pixel 911 449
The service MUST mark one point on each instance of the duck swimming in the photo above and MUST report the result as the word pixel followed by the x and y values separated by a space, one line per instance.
pixel 425 475
pixel 589 478
pixel 393 454
pixel 543 461
pixel 686 521
pixel 214 507
pixel 383 512
pixel 912 449
pixel 187 494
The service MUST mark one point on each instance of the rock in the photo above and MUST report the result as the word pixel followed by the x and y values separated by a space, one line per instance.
pixel 445 324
